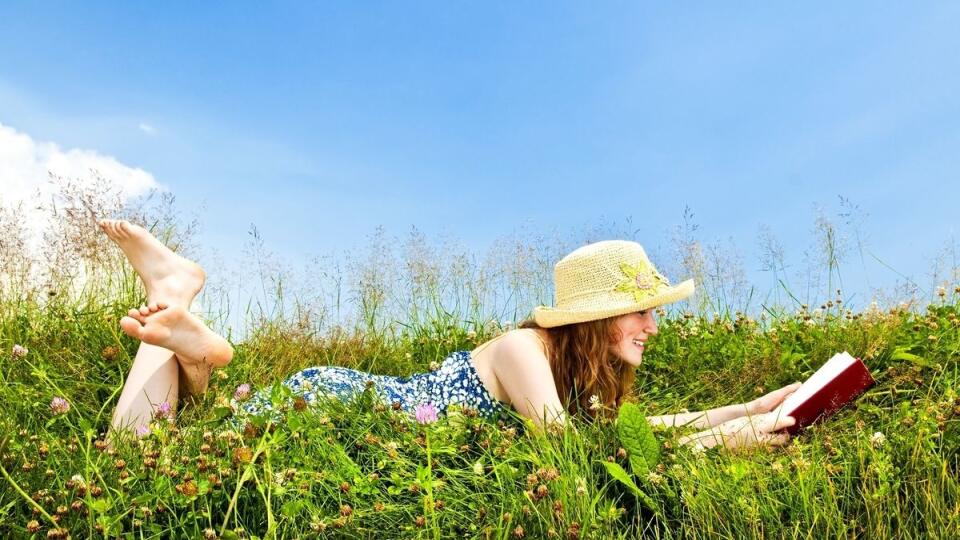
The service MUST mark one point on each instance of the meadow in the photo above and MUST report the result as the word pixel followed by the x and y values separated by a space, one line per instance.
pixel 885 466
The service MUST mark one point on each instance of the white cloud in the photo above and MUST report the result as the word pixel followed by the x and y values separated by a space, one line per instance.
pixel 147 128
pixel 25 165
pixel 25 169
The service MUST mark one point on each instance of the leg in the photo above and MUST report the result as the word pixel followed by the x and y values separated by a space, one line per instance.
pixel 171 337
pixel 168 278
pixel 153 379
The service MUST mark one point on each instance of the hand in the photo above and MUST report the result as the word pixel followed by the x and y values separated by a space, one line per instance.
pixel 772 400
pixel 755 430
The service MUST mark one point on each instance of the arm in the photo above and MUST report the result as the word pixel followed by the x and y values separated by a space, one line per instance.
pixel 701 419
pixel 742 432
pixel 524 372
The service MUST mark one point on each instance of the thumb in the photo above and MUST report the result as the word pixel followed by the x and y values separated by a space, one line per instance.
pixel 784 421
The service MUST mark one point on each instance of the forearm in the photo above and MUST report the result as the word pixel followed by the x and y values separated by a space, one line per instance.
pixel 707 438
pixel 701 419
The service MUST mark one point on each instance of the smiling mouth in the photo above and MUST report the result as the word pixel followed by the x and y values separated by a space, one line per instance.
pixel 639 343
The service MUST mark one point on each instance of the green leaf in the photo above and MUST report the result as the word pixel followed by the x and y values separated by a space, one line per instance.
pixel 900 353
pixel 638 439
pixel 100 506
pixel 617 472
pixel 628 270
pixel 291 508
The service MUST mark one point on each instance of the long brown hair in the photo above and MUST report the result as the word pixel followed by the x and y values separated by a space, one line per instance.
pixel 583 365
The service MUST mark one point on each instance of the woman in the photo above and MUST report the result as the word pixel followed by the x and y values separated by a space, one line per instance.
pixel 585 349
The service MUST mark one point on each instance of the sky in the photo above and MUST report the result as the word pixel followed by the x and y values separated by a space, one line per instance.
pixel 318 122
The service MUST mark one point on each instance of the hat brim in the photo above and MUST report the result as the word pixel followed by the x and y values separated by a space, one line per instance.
pixel 548 317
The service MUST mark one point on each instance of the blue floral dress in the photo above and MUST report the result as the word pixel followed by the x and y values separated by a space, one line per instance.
pixel 455 381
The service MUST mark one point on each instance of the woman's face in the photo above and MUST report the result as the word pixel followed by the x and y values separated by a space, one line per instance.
pixel 634 328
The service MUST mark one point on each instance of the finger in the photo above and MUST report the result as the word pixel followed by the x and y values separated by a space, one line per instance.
pixel 778 440
pixel 784 421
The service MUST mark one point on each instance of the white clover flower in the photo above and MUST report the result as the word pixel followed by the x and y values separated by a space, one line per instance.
pixel 595 402
pixel 78 481
pixel 19 351
pixel 434 365
pixel 478 468
pixel 878 439
pixel 654 478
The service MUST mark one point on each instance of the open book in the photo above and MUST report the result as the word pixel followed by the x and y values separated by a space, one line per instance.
pixel 836 383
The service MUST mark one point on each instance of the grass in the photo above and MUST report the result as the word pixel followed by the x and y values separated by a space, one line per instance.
pixel 360 470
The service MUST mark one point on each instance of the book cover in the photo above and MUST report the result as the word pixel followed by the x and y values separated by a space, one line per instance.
pixel 840 380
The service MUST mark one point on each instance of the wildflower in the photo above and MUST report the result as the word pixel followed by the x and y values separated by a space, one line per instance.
pixel 142 430
pixel 33 526
pixel 518 532
pixel 426 413
pixel 299 403
pixel 19 351
pixel 242 392
pixel 655 478
pixel 164 410
pixel 434 365
pixel 878 439
pixel 222 375
pixel 188 488
pixel 478 468
pixel 595 402
pixel 58 405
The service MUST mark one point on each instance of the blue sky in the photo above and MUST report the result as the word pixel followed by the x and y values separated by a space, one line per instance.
pixel 320 121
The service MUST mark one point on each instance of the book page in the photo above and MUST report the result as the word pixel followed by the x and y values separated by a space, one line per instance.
pixel 827 372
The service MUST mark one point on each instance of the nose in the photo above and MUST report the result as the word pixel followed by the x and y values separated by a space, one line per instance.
pixel 650 323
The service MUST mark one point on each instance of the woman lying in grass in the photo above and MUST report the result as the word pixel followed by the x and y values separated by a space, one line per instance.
pixel 585 348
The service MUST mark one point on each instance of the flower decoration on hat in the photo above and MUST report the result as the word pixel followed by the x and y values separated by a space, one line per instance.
pixel 641 280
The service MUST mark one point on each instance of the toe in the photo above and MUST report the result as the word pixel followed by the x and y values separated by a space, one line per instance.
pixel 162 305
pixel 124 228
pixel 131 327
pixel 153 307
pixel 144 310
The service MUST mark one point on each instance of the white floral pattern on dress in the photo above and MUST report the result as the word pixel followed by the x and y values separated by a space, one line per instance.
pixel 455 382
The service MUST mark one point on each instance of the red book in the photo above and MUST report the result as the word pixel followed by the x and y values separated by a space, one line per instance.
pixel 836 383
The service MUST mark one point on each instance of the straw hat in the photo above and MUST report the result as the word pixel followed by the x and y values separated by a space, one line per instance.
pixel 604 279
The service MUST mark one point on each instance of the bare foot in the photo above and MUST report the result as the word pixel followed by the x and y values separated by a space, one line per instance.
pixel 198 348
pixel 168 277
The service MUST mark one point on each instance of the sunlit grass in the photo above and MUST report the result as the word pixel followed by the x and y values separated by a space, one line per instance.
pixel 885 466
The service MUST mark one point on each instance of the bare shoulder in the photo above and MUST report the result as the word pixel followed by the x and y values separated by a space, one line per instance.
pixel 522 367
pixel 528 342
pixel 520 347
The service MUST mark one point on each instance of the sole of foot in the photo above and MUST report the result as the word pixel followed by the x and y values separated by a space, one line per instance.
pixel 176 329
pixel 168 277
